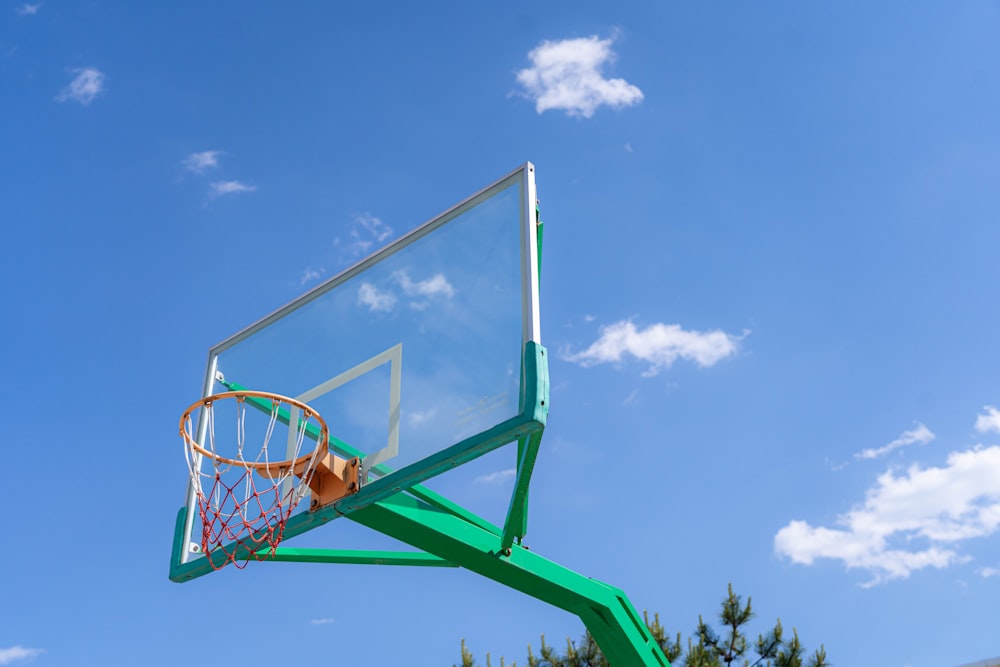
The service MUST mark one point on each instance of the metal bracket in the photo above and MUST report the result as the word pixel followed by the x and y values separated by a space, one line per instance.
pixel 333 479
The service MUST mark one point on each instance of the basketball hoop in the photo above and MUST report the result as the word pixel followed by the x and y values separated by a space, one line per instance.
pixel 245 498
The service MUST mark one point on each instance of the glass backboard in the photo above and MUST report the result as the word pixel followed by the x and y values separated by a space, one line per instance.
pixel 413 351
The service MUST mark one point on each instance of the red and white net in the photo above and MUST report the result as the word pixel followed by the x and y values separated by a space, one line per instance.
pixel 249 470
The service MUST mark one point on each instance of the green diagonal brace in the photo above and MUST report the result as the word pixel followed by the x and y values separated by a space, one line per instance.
pixel 609 616
pixel 516 524
pixel 358 557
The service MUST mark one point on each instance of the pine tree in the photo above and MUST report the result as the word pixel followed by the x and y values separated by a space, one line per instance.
pixel 713 650
pixel 467 659
pixel 707 648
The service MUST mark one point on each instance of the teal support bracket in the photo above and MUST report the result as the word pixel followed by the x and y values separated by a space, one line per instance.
pixel 516 525
pixel 539 229
pixel 359 557
pixel 535 398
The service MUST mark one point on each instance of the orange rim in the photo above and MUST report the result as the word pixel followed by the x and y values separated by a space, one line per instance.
pixel 322 445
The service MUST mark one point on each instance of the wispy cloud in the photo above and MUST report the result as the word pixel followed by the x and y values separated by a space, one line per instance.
pixel 436 285
pixel 374 299
pixel 221 188
pixel 498 477
pixel 418 417
pixel 366 233
pixel 659 345
pixel 920 435
pixel 322 621
pixel 28 9
pixel 909 521
pixel 987 572
pixel 310 276
pixel 18 653
pixel 417 293
pixel 198 163
pixel 85 86
pixel 201 162
pixel 989 421
pixel 567 75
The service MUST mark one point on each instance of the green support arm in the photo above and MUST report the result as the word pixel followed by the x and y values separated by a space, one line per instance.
pixel 606 611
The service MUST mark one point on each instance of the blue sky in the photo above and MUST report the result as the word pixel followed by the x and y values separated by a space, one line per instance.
pixel 771 245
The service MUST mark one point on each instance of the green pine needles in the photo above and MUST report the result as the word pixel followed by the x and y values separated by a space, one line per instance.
pixel 729 646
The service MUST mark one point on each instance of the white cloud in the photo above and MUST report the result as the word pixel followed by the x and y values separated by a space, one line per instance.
pixel 310 276
pixel 369 230
pixel 28 9
pixel 436 285
pixel 220 188
pixel 908 522
pixel 85 86
pixel 498 477
pixel 989 421
pixel 987 572
pixel 365 232
pixel 416 292
pixel 15 653
pixel 417 417
pixel 323 621
pixel 369 295
pixel 199 162
pixel 567 75
pixel 658 344
pixel 921 435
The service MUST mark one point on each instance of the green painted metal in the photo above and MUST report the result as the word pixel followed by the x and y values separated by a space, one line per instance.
pixel 538 235
pixel 181 572
pixel 359 557
pixel 177 550
pixel 516 525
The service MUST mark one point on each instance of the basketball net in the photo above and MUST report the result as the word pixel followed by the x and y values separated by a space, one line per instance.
pixel 246 498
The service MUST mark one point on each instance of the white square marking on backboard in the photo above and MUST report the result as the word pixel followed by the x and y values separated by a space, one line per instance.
pixel 394 357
